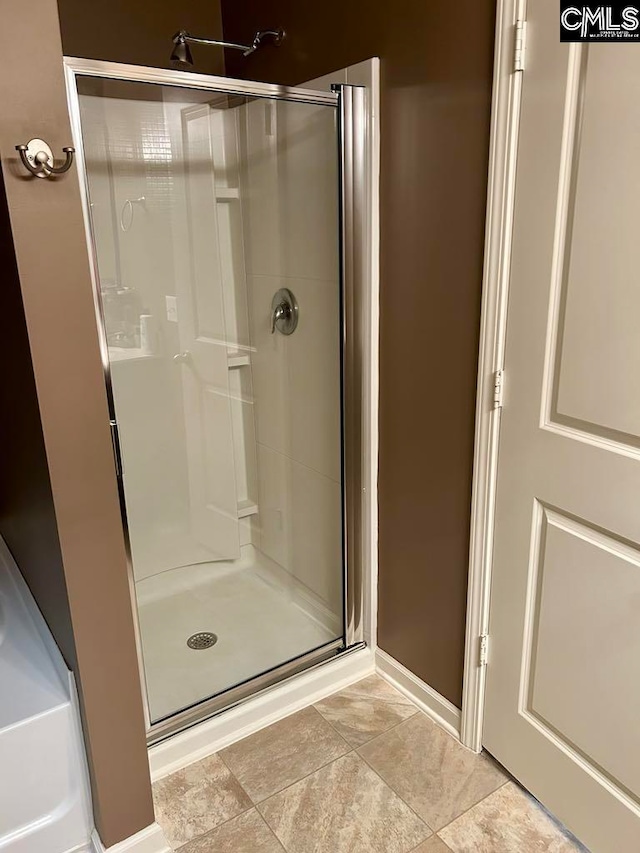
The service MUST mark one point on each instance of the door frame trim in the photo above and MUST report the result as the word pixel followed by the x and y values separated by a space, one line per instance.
pixel 505 122
pixel 359 173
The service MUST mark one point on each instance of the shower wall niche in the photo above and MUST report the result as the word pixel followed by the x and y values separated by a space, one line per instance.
pixel 203 205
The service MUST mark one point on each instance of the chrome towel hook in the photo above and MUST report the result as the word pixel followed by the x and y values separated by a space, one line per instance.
pixel 37 157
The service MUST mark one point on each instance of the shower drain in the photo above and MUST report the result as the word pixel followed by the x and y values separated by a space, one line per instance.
pixel 202 640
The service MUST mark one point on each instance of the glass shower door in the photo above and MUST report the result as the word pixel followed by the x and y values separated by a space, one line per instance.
pixel 215 220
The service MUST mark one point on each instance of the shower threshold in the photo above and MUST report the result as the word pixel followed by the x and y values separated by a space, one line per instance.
pixel 251 689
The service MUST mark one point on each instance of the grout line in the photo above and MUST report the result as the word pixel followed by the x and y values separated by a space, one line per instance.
pixel 392 728
pixel 257 803
pixel 435 835
pixel 380 734
pixel 302 778
pixel 375 737
pixel 434 831
pixel 401 798
pixel 321 767
pixel 210 831
pixel 467 810
pixel 290 458
pixel 271 830
pixel 285 277
pixel 233 817
pixel 330 724
pixel 352 751
pixel 251 808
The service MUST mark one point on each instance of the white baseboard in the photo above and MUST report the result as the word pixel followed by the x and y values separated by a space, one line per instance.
pixel 149 840
pixel 426 698
pixel 224 729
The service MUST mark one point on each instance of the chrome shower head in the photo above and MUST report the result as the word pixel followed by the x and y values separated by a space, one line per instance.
pixel 181 51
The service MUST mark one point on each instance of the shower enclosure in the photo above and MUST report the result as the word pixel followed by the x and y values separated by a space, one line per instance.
pixel 222 217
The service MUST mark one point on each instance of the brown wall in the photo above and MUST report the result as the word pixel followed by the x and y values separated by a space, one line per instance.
pixel 436 87
pixel 140 32
pixel 27 514
pixel 50 250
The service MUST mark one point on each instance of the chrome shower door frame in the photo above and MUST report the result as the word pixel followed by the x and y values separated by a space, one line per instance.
pixel 349 102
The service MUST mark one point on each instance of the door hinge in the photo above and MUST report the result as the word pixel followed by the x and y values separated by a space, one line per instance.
pixel 115 442
pixel 483 650
pixel 498 388
pixel 520 45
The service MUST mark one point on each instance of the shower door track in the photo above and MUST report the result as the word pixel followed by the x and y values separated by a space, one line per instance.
pixel 349 102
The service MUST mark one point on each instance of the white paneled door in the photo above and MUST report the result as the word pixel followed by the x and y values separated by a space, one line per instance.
pixel 563 683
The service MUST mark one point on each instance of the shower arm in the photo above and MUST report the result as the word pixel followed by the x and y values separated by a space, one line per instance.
pixel 184 36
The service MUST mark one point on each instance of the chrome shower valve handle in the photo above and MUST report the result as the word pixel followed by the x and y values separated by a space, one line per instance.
pixel 284 312
pixel 37 157
pixel 279 314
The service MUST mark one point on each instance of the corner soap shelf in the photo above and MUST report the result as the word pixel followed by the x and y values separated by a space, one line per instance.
pixel 236 358
pixel 246 508
pixel 227 193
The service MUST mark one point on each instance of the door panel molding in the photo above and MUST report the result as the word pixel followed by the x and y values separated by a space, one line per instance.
pixel 546 520
pixel 570 426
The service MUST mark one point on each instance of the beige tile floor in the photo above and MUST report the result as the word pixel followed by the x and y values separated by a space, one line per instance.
pixel 363 771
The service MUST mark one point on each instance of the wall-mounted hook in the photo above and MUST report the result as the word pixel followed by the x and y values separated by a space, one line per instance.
pixel 37 157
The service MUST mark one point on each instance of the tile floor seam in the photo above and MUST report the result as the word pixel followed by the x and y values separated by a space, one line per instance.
pixel 272 831
pixel 219 754
pixel 434 835
pixel 329 723
pixel 253 805
pixel 531 800
pixel 211 831
pixel 367 742
pixel 490 794
pixel 306 776
pixel 491 758
pixel 398 794
pixel 233 817
pixel 432 832
pixel 256 803
pixel 394 726
pixel 352 749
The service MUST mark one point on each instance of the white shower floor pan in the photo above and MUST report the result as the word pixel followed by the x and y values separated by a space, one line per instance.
pixel 44 795
pixel 260 622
